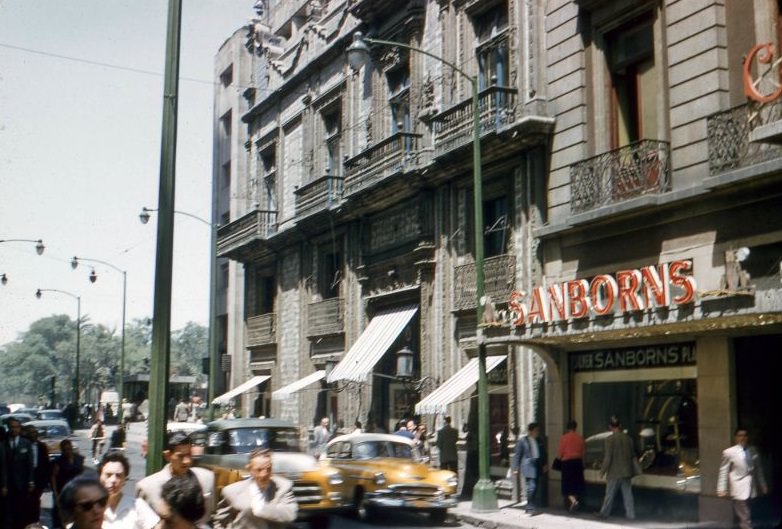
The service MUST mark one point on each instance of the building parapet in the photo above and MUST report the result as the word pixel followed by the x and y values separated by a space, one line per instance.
pixel 255 225
pixel 261 330
pixel 394 155
pixel 326 318
pixel 499 280
pixel 320 194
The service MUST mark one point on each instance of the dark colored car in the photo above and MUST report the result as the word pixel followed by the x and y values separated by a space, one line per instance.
pixel 21 417
pixel 318 487
pixel 49 415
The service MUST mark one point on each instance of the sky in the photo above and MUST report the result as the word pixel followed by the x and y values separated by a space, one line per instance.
pixel 81 88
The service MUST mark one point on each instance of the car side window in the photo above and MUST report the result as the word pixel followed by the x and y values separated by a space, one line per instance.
pixel 333 451
pixel 345 451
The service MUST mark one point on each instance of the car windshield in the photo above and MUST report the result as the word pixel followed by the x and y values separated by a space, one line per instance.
pixel 49 414
pixel 245 440
pixel 371 449
pixel 55 431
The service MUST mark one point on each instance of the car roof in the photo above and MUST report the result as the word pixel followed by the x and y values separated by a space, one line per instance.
pixel 16 416
pixel 364 437
pixel 47 422
pixel 230 424
pixel 49 410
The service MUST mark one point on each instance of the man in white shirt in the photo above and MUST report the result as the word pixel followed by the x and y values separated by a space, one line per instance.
pixel 262 502
pixel 741 477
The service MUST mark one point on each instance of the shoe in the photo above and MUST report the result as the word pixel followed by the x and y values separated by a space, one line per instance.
pixel 573 506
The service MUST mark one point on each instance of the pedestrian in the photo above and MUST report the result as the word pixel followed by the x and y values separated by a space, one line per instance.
pixel 421 440
pixel 571 453
pixel 118 438
pixel 619 466
pixel 403 430
pixel 447 438
pixel 98 435
pixel 121 513
pixel 320 437
pixel 265 501
pixel 357 427
pixel 181 504
pixel 529 461
pixel 65 467
pixel 182 411
pixel 741 477
pixel 127 411
pixel 19 483
pixel 82 503
pixel 178 455
pixel 42 471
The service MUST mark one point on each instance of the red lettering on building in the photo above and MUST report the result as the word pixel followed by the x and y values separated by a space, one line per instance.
pixel 685 282
pixel 629 281
pixel 603 292
pixel 577 300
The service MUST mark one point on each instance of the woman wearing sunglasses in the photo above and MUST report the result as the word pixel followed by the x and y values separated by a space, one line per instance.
pixel 83 501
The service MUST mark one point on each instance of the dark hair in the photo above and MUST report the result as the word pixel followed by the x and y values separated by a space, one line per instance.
pixel 357 424
pixel 614 422
pixel 184 497
pixel 65 442
pixel 259 452
pixel 115 457
pixel 572 425
pixel 68 493
pixel 740 429
pixel 448 419
pixel 174 439
pixel 531 426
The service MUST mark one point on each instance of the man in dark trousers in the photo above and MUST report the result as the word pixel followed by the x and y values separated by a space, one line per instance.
pixel 42 472
pixel 618 470
pixel 446 444
pixel 19 481
pixel 529 460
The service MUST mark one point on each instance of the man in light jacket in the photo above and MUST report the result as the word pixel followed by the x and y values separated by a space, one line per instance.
pixel 618 470
pixel 262 502
pixel 741 477
pixel 529 460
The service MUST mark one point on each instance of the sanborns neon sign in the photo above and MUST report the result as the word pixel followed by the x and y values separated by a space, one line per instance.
pixel 649 287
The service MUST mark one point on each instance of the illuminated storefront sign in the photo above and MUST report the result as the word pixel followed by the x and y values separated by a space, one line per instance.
pixel 668 355
pixel 663 285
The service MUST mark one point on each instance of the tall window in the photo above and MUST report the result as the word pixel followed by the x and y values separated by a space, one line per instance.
pixel 267 168
pixel 330 274
pixel 491 31
pixel 495 222
pixel 633 82
pixel 399 98
pixel 265 290
pixel 332 135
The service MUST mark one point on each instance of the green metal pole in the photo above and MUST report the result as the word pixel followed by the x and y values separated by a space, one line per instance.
pixel 161 316
pixel 484 497
pixel 214 357
pixel 121 385
pixel 78 354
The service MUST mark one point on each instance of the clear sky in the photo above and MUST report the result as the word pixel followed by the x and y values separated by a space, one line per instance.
pixel 80 153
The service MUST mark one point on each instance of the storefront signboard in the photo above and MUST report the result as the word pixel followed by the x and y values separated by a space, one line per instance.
pixel 641 357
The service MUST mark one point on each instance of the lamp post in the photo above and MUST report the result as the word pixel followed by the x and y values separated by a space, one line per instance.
pixel 39 248
pixel 94 277
pixel 214 360
pixel 484 495
pixel 38 294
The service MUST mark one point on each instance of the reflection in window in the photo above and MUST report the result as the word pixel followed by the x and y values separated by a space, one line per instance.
pixel 245 440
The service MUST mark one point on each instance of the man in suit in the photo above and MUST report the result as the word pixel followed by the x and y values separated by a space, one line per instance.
pixel 19 482
pixel 179 464
pixel 617 468
pixel 262 502
pixel 446 444
pixel 529 460
pixel 42 472
pixel 741 476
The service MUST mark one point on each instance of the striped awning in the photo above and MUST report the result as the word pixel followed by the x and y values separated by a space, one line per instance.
pixel 373 343
pixel 452 389
pixel 286 391
pixel 223 399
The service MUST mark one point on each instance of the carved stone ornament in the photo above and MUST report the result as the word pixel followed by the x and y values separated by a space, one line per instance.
pixel 427 98
pixel 392 57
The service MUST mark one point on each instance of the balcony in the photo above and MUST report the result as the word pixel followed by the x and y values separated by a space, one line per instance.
pixel 255 225
pixel 641 168
pixel 326 318
pixel 499 278
pixel 394 155
pixel 323 193
pixel 730 145
pixel 453 128
pixel 261 330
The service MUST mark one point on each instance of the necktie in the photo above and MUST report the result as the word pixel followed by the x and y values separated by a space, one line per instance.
pixel 748 460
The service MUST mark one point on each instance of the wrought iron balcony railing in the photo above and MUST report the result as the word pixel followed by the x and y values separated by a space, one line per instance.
pixel 257 224
pixel 454 127
pixel 325 318
pixel 499 279
pixel 261 330
pixel 729 136
pixel 641 168
pixel 323 193
pixel 395 154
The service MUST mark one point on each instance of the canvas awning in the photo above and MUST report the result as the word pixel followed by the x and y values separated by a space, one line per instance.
pixel 454 387
pixel 373 343
pixel 241 388
pixel 286 391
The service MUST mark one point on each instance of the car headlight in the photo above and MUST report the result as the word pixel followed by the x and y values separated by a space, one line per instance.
pixel 380 478
pixel 453 481
pixel 335 479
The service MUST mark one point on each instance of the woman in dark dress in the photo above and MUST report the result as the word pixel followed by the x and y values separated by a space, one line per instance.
pixel 572 450
pixel 65 467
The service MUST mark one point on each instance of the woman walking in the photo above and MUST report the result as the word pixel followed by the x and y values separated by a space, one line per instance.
pixel 572 450
pixel 65 467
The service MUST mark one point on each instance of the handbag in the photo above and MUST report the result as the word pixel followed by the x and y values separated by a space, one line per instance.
pixel 637 470
pixel 556 464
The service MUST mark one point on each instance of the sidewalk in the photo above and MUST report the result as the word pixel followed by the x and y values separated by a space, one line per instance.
pixel 512 516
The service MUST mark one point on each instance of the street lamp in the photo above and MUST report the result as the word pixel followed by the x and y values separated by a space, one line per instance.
pixel 4 279
pixel 484 495
pixel 214 360
pixel 39 248
pixel 94 277
pixel 38 294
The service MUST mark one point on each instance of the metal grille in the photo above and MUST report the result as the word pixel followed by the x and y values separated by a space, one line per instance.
pixel 640 168
pixel 394 155
pixel 307 492
pixel 728 133
pixel 414 491
pixel 499 277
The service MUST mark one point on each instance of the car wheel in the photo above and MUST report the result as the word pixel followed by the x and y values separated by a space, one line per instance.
pixel 438 517
pixel 319 522
pixel 363 508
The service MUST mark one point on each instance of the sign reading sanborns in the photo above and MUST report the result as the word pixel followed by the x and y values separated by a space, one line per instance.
pixel 657 286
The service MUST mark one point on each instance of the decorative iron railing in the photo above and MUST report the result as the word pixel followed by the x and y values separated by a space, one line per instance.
pixel 499 275
pixel 323 193
pixel 729 131
pixel 326 317
pixel 454 127
pixel 257 224
pixel 261 330
pixel 641 168
pixel 391 156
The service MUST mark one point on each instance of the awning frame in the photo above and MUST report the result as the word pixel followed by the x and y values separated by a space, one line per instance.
pixel 244 387
pixel 438 400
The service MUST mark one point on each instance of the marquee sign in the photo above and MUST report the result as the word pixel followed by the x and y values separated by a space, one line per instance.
pixel 650 287
pixel 670 355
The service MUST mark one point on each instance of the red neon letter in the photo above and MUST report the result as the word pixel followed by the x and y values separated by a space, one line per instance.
pixel 518 309
pixel 603 293
pixel 556 296
pixel 655 286
pixel 577 298
pixel 629 281
pixel 537 309
pixel 685 282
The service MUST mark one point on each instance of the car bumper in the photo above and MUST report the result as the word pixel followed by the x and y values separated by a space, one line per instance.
pixel 391 501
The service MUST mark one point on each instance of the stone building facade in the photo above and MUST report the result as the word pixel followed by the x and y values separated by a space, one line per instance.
pixel 631 223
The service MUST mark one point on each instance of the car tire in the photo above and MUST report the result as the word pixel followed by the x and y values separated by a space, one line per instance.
pixel 319 522
pixel 364 511
pixel 438 517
